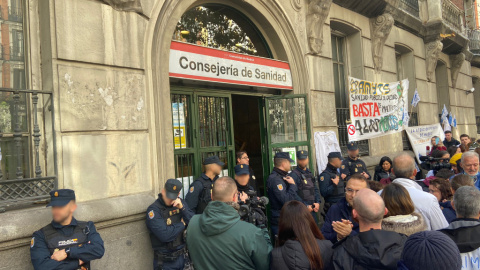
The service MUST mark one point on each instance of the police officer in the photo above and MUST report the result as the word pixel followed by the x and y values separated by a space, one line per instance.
pixel 332 186
pixel 242 176
pixel 307 189
pixel 167 219
pixel 65 243
pixel 281 188
pixel 200 192
pixel 353 164
pixel 242 158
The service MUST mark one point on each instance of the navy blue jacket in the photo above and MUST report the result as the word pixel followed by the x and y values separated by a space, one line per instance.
pixel 90 251
pixel 338 211
pixel 193 196
pixel 158 226
pixel 279 192
pixel 351 167
pixel 298 181
pixel 331 192
pixel 448 211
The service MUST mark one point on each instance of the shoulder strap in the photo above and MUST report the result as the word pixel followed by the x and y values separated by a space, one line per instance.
pixel 299 174
pixel 48 231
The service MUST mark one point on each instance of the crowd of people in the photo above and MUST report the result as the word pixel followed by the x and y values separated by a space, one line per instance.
pixel 396 219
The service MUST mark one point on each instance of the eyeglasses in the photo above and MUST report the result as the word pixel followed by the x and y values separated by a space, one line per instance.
pixel 350 191
pixel 245 157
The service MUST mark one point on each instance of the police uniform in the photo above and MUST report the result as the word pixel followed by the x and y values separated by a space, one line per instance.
pixel 166 229
pixel 79 239
pixel 352 166
pixel 200 191
pixel 331 192
pixel 279 192
pixel 308 192
pixel 243 169
pixel 253 180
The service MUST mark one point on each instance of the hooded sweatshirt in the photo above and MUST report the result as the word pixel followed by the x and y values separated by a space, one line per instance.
pixel 291 256
pixel 218 239
pixel 374 249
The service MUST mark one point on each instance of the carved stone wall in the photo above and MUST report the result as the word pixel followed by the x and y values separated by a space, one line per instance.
pixel 317 13
pixel 432 50
pixel 456 62
pixel 381 27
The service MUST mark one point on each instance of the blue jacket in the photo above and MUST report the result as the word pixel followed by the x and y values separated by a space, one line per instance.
pixel 448 211
pixel 279 192
pixel 338 211
pixel 159 227
pixel 331 192
pixel 298 180
pixel 40 253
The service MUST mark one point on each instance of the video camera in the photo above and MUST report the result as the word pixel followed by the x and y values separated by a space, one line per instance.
pixel 253 211
pixel 435 164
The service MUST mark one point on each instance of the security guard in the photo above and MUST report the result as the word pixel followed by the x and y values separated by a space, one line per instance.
pixel 353 164
pixel 307 189
pixel 332 186
pixel 65 243
pixel 200 192
pixel 281 188
pixel 167 219
pixel 242 176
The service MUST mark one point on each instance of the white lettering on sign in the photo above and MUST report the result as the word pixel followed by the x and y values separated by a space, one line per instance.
pixel 194 62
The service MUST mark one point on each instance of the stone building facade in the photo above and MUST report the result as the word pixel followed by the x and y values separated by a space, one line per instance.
pixel 104 67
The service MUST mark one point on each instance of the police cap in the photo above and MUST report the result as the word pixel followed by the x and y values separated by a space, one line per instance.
pixel 61 197
pixel 241 169
pixel 284 155
pixel 302 154
pixel 172 188
pixel 213 160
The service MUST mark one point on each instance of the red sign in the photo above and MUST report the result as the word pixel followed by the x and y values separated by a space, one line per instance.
pixel 351 129
pixel 194 62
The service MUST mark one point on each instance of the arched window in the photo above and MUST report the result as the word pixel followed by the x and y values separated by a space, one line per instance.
pixel 221 27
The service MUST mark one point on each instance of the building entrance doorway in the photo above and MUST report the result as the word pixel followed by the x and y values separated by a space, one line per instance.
pixel 207 123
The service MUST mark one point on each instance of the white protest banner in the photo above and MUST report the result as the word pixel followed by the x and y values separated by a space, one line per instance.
pixel 420 137
pixel 376 109
pixel 188 61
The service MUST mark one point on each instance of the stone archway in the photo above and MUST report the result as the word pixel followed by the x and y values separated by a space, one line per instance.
pixel 270 20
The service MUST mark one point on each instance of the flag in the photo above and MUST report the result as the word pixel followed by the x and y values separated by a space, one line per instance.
pixel 444 113
pixel 415 99
pixel 446 125
pixel 454 124
pixel 450 119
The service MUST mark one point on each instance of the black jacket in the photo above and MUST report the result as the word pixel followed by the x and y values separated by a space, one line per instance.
pixel 465 233
pixel 381 174
pixel 452 142
pixel 291 256
pixel 374 249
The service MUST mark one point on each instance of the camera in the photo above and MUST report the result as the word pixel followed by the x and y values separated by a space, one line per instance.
pixel 435 164
pixel 253 210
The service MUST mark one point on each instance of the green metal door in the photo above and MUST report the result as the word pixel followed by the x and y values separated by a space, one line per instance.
pixel 202 127
pixel 287 127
